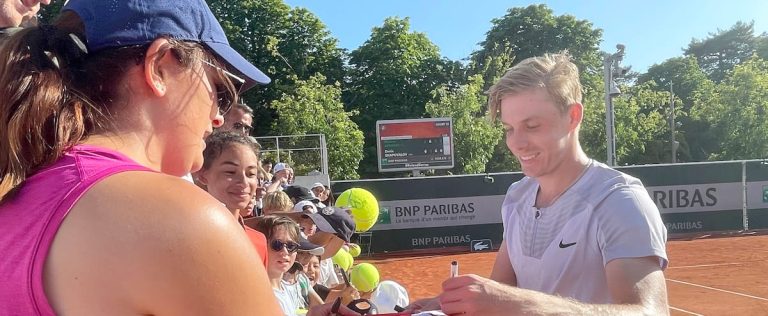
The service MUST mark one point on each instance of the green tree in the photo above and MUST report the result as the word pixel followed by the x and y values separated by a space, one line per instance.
pixel 392 76
pixel 723 50
pixel 690 84
pixel 642 125
pixel 738 113
pixel 535 30
pixel 474 136
pixel 287 44
pixel 316 108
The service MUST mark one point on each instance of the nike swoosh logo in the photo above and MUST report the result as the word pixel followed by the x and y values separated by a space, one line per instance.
pixel 562 245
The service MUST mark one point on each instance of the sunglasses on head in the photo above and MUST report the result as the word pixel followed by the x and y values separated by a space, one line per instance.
pixel 277 246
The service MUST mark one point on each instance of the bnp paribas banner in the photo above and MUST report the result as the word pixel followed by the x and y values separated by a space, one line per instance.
pixel 757 194
pixel 454 211
pixel 697 197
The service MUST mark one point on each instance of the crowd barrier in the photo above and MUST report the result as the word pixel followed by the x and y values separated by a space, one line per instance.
pixel 463 212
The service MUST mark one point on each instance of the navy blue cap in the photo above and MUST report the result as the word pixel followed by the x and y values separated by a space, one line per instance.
pixel 116 23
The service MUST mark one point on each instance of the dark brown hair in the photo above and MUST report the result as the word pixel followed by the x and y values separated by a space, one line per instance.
pixel 54 94
pixel 220 141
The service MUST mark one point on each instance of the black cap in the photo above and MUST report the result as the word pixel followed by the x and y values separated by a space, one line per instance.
pixel 335 221
pixel 300 193
pixel 307 246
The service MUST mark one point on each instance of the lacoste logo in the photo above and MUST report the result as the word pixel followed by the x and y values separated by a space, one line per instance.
pixel 481 246
pixel 562 245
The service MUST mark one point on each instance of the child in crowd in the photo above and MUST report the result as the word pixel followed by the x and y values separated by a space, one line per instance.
pixel 297 278
pixel 229 173
pixel 283 238
pixel 276 202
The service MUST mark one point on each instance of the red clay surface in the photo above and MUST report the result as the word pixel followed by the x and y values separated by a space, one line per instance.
pixel 714 276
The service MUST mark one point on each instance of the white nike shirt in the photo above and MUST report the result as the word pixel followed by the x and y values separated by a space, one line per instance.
pixel 563 249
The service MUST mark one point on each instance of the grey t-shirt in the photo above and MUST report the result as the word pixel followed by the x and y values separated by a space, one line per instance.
pixel 562 249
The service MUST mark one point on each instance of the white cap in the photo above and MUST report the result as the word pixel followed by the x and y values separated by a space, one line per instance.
pixel 299 207
pixel 388 295
pixel 317 184
pixel 279 167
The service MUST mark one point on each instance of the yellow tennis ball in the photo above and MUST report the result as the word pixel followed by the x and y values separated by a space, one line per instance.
pixel 363 206
pixel 364 276
pixel 354 250
pixel 343 259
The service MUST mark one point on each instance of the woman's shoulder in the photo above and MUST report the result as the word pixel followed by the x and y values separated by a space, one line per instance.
pixel 154 234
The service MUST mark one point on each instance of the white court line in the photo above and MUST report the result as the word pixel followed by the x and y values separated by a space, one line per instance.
pixel 711 265
pixel 684 311
pixel 721 290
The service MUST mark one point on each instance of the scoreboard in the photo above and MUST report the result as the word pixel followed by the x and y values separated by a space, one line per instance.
pixel 404 145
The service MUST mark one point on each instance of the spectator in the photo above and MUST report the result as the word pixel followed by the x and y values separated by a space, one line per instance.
pixel 283 177
pixel 230 171
pixel 229 174
pixel 267 165
pixel 239 119
pixel 299 193
pixel 297 279
pixel 276 202
pixel 330 200
pixel 128 120
pixel 318 189
pixel 283 237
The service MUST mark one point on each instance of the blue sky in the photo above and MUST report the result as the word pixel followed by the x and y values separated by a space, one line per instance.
pixel 652 30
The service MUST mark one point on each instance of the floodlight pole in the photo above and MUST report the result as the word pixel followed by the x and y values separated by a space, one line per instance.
pixel 611 63
pixel 672 122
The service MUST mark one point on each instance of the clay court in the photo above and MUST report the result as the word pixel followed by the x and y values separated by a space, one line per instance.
pixel 706 276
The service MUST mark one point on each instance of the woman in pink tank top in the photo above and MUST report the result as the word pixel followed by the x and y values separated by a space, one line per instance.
pixel 102 112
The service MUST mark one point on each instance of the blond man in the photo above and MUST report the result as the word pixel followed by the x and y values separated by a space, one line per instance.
pixel 579 237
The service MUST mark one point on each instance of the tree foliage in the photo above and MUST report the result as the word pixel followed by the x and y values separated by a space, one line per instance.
pixel 534 31
pixel 692 89
pixel 643 126
pixel 723 50
pixel 738 112
pixel 316 108
pixel 474 135
pixel 288 44
pixel 392 76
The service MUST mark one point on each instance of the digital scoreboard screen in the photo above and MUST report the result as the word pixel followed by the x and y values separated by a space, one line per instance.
pixel 415 144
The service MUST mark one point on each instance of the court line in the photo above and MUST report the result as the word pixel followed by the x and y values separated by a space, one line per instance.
pixel 713 265
pixel 684 311
pixel 721 290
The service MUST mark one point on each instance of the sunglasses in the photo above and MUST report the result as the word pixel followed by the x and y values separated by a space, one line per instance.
pixel 246 129
pixel 277 246
pixel 225 97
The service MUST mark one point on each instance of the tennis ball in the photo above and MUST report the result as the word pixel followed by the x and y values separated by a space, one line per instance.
pixel 354 250
pixel 364 276
pixel 343 259
pixel 363 206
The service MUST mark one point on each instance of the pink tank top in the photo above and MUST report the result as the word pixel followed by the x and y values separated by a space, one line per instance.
pixel 29 222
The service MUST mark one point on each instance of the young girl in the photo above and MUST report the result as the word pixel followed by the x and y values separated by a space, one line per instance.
pixel 230 174
pixel 283 239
